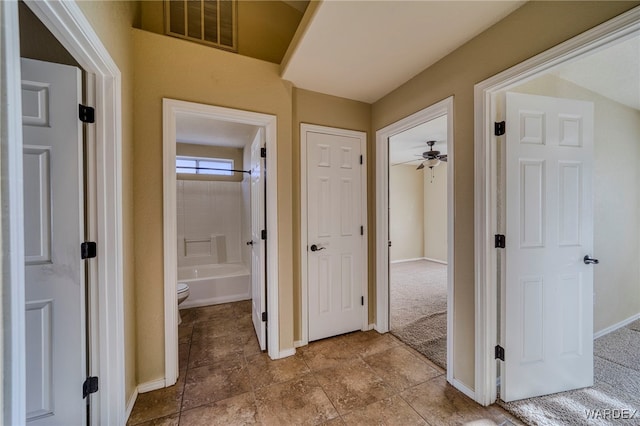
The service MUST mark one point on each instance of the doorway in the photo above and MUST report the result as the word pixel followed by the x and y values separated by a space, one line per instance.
pixel 560 72
pixel 418 238
pixel 225 239
pixel 384 209
pixel 68 25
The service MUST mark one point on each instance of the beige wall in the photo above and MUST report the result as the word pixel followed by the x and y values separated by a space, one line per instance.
pixel 616 200
pixel 532 29
pixel 112 22
pixel 435 213
pixel 406 213
pixel 174 68
pixel 265 27
pixel 208 151
pixel 325 110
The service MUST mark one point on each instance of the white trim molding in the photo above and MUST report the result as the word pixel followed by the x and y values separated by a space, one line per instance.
pixel 444 107
pixel 171 109
pixel 486 112
pixel 616 326
pixel 304 308
pixel 13 297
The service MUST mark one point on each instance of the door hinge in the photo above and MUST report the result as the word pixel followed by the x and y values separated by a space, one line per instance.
pixel 361 160
pixel 500 241
pixel 499 352
pixel 362 300
pixel 86 114
pixel 263 234
pixel 500 127
pixel 361 230
pixel 88 250
pixel 264 317
pixel 89 386
pixel 263 152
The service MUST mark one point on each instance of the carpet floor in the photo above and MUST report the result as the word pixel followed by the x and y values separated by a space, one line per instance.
pixel 616 388
pixel 418 307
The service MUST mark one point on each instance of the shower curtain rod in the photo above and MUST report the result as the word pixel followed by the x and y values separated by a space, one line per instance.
pixel 215 168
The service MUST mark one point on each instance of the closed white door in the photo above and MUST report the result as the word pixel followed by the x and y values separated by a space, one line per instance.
pixel 549 232
pixel 54 273
pixel 258 287
pixel 335 255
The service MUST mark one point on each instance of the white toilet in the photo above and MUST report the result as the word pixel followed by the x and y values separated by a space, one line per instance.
pixel 183 293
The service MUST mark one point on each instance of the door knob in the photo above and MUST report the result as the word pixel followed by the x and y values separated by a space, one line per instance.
pixel 590 261
pixel 250 243
pixel 314 247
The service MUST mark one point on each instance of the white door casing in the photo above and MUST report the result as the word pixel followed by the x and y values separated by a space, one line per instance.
pixel 54 228
pixel 548 324
pixel 258 287
pixel 334 227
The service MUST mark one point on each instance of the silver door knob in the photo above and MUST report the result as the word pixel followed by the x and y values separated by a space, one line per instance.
pixel 589 260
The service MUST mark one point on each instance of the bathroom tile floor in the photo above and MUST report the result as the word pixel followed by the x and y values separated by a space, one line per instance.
pixel 359 378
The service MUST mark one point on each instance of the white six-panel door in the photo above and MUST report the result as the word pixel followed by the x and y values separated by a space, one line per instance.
pixel 258 292
pixel 53 206
pixel 549 229
pixel 335 255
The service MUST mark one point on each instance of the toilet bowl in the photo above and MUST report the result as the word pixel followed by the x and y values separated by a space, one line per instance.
pixel 183 293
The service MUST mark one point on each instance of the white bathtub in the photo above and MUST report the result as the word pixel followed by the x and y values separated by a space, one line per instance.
pixel 214 284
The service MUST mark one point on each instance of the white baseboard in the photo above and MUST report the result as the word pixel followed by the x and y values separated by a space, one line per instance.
pixel 442 262
pixel 369 327
pixel 299 343
pixel 151 386
pixel 419 258
pixel 614 327
pixel 463 388
pixel 130 404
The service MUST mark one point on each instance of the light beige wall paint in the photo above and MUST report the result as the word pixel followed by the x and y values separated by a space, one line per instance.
pixel 112 22
pixel 265 27
pixel 208 151
pixel 406 213
pixel 532 29
pixel 616 188
pixel 435 213
pixel 174 68
pixel 325 110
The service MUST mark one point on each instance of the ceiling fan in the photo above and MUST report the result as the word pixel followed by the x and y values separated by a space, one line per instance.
pixel 432 157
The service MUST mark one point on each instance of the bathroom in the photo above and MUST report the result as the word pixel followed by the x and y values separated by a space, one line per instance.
pixel 213 210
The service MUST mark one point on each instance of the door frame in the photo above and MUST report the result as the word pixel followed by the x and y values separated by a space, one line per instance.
pixel 304 293
pixel 382 221
pixel 171 108
pixel 487 111
pixel 71 28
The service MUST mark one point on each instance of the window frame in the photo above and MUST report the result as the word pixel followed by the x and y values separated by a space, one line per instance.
pixel 198 160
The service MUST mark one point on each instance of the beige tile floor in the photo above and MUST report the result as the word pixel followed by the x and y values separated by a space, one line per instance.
pixel 360 378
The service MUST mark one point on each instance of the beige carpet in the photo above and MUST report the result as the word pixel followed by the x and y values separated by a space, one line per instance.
pixel 616 387
pixel 418 307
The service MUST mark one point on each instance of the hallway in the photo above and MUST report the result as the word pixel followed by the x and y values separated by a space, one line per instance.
pixel 357 378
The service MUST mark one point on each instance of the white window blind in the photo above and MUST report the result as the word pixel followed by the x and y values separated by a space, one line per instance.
pixel 211 22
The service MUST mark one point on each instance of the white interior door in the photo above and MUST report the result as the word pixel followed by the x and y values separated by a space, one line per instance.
pixel 335 256
pixel 548 327
pixel 258 285
pixel 53 222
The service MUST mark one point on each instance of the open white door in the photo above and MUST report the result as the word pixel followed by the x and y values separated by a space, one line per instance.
pixel 548 324
pixel 335 231
pixel 54 221
pixel 258 276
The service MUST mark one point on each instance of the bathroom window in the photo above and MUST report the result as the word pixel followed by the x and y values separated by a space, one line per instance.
pixel 204 166
pixel 211 22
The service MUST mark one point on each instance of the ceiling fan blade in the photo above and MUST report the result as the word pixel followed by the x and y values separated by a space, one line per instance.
pixel 443 157
pixel 421 166
pixel 405 162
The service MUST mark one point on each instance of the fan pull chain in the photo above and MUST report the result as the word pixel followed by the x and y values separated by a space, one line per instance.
pixel 431 174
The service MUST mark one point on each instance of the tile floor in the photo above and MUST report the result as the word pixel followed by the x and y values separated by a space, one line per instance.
pixel 360 378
